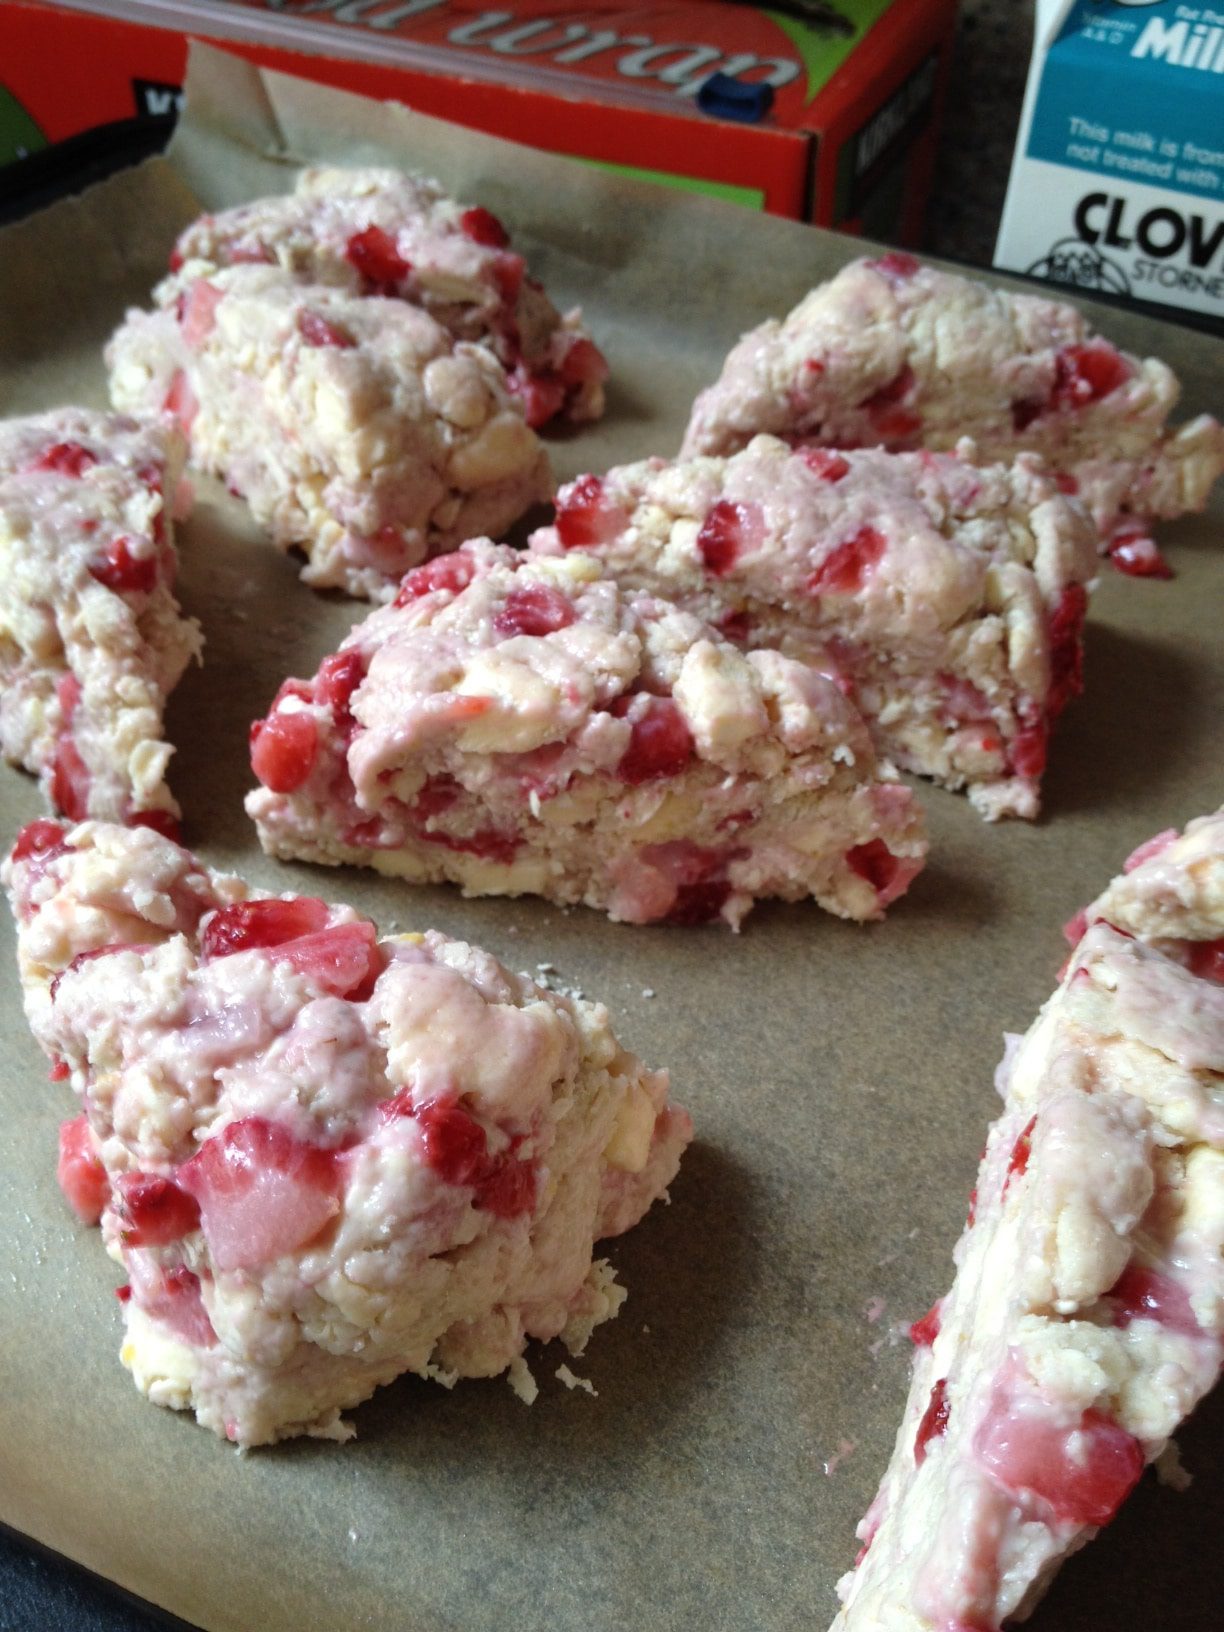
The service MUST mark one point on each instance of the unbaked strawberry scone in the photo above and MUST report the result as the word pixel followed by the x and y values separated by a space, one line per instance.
pixel 358 431
pixel 894 354
pixel 946 598
pixel 522 725
pixel 92 640
pixel 383 232
pixel 1086 1317
pixel 323 1159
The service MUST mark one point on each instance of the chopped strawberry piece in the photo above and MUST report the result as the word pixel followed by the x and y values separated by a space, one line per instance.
pixel 509 273
pixel 70 781
pixel 343 960
pixel 161 821
pixel 456 1147
pixel 875 862
pixel 66 459
pixel 317 330
pixel 1017 1165
pixel 175 262
pixel 256 924
pixel 373 253
pixel 971 1216
pixel 722 536
pixel 585 516
pixel 1149 849
pixel 81 1175
pixel 886 408
pixel 698 903
pixel 924 1332
pixel 338 678
pixel 583 363
pixel 1066 649
pixel 37 838
pixel 483 227
pixel 124 572
pixel 284 748
pixel 661 743
pixel 898 266
pixel 59 1071
pixel 199 313
pixel 153 1209
pixel 508 1189
pixel 536 609
pixel 1028 751
pixel 178 1304
pixel 1066 483
pixel 934 1420
pixel 1084 374
pixel 847 568
pixel 486 842
pixel 438 794
pixel 541 392
pixel 1206 959
pixel 181 401
pixel 736 626
pixel 445 572
pixel 1075 928
pixel 1138 556
pixel 829 466
pixel 1146 1294
pixel 1083 1471
pixel 262 1192
pixel 1024 412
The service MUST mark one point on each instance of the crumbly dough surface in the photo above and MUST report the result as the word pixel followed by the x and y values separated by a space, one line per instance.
pixel 92 639
pixel 323 1159
pixel 945 597
pixel 1086 1317
pixel 519 724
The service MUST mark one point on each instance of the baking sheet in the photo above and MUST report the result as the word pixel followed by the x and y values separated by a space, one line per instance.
pixel 839 1076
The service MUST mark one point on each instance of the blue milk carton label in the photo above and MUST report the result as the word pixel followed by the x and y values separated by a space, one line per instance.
pixel 1118 178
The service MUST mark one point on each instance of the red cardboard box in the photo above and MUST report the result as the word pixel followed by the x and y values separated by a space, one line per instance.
pixel 847 142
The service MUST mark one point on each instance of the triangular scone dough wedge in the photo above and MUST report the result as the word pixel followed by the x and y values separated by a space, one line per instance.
pixel 946 598
pixel 894 354
pixel 92 640
pixel 1085 1320
pixel 382 232
pixel 520 725
pixel 323 1159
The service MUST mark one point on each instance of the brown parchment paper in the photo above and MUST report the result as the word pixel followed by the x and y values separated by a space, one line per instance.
pixel 840 1076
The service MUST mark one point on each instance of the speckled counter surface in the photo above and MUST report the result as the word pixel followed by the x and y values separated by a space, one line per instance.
pixel 993 47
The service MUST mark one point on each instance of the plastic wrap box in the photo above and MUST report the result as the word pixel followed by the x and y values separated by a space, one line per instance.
pixel 848 140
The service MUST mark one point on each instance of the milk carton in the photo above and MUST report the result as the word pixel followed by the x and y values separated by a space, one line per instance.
pixel 1118 178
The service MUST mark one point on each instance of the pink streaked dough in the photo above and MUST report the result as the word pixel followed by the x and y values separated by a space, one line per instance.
pixel 522 725
pixel 945 598
pixel 894 354
pixel 322 1159
pixel 382 232
pixel 1086 1317
pixel 94 640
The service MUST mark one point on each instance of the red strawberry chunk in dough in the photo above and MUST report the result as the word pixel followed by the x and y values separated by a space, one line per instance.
pixel 1138 556
pixel 154 1210
pixel 161 821
pixel 317 330
pixel 1017 1166
pixel 284 748
pixel 70 781
pixel 66 459
pixel 338 678
pixel 875 862
pixel 1146 1294
pixel 1066 649
pixel 374 254
pixel 583 363
pixel 1085 374
pixel 1082 1471
pixel 698 903
pixel 827 464
pixel 897 266
pixel 1206 959
pixel 123 571
pixel 262 1193
pixel 181 401
pixel 585 515
pixel 885 408
pixel 444 572
pixel 37 838
pixel 924 1332
pixel 724 533
pixel 661 743
pixel 179 1305
pixel 81 1175
pixel 536 609
pixel 344 960
pixel 483 227
pixel 1149 848
pixel 456 1147
pixel 934 1420
pixel 486 842
pixel 846 569
pixel 249 925
pixel 199 313
pixel 542 394
pixel 1028 749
